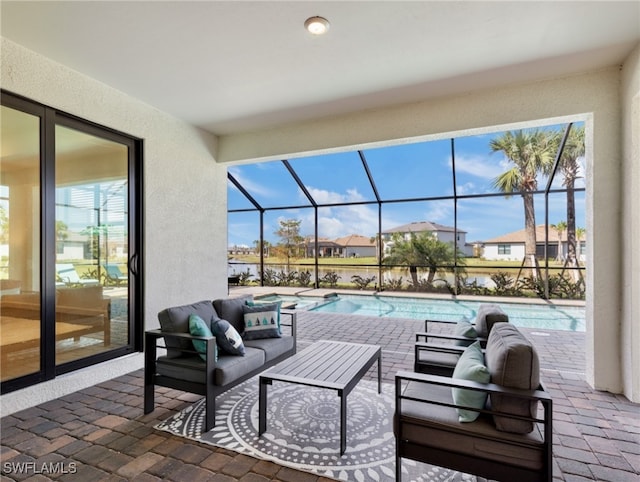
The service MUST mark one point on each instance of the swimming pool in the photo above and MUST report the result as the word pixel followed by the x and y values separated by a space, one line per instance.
pixel 551 317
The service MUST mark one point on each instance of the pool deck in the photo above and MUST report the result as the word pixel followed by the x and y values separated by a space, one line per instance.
pixel 327 292
pixel 103 431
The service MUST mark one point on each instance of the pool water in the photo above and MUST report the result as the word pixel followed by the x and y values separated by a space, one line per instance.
pixel 552 317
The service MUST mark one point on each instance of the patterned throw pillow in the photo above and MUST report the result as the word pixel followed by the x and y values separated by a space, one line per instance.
pixel 227 337
pixel 261 321
pixel 198 327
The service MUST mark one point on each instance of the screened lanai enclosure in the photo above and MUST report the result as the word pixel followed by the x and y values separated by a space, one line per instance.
pixel 498 213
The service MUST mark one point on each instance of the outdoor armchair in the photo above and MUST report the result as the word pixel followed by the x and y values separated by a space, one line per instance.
pixel 437 350
pixel 491 418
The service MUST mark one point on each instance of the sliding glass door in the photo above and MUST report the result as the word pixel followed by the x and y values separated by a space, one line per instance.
pixel 70 243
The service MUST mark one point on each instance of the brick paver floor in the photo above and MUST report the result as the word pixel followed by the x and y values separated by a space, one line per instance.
pixel 101 434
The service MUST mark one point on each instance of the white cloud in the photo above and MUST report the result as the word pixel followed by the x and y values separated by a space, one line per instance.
pixel 480 166
pixel 251 186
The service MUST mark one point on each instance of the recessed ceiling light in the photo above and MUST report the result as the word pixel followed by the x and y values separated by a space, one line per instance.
pixel 317 25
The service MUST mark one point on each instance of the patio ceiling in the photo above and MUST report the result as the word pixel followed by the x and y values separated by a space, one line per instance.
pixel 231 67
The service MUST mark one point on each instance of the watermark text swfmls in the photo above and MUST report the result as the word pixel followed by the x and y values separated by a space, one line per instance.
pixel 59 468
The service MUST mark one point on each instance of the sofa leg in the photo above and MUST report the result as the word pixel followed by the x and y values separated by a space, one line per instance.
pixel 210 413
pixel 149 401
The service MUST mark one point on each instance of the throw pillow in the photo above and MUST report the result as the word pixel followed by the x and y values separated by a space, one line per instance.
pixel 470 367
pixel 227 337
pixel 198 327
pixel 466 329
pixel 261 321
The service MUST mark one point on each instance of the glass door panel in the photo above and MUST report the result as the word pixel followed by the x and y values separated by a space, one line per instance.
pixel 92 280
pixel 20 329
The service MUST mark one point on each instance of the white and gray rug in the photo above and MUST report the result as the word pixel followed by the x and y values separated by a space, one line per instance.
pixel 303 431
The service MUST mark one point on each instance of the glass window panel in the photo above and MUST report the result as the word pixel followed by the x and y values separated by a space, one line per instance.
pixel 19 243
pixel 236 199
pixel 410 171
pixel 92 245
pixel 270 184
pixel 244 244
pixel 334 178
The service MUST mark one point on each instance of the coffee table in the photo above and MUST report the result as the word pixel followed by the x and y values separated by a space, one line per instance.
pixel 334 365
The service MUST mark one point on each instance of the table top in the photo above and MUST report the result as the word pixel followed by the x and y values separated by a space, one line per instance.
pixel 327 364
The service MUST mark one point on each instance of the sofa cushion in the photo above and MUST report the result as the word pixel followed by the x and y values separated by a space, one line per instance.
pixel 437 426
pixel 227 337
pixel 199 327
pixel 470 367
pixel 272 347
pixel 228 368
pixel 261 321
pixel 230 309
pixel 176 320
pixel 513 362
pixel 466 329
pixel 488 314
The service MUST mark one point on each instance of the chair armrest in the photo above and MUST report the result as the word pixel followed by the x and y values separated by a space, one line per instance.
pixel 424 336
pixel 424 346
pixel 293 322
pixel 152 337
pixel 539 395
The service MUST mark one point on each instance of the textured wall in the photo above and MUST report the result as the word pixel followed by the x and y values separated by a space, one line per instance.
pixel 631 226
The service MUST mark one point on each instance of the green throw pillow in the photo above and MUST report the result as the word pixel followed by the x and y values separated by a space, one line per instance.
pixel 470 367
pixel 466 329
pixel 198 327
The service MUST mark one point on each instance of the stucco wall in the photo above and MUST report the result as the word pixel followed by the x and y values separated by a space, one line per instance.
pixel 593 97
pixel 631 226
pixel 185 219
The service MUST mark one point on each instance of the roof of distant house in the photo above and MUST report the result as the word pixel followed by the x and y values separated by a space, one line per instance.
pixel 421 227
pixel 519 236
pixel 355 240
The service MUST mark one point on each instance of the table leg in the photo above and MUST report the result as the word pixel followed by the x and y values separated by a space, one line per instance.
pixel 343 422
pixel 379 372
pixel 262 405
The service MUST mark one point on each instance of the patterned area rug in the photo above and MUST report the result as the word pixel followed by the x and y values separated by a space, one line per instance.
pixel 303 431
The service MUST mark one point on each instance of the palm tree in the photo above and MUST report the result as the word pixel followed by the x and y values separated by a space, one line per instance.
pixel 421 250
pixel 573 150
pixel 560 227
pixel 531 153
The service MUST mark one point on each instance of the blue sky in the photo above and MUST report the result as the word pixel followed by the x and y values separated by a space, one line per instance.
pixel 416 170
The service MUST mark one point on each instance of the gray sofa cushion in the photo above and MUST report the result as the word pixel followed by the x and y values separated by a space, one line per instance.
pixel 272 347
pixel 438 426
pixel 176 319
pixel 230 309
pixel 228 367
pixel 488 314
pixel 513 362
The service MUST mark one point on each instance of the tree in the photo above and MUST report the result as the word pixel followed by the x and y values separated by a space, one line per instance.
pixel 560 227
pixel 573 150
pixel 531 153
pixel 290 239
pixel 421 250
pixel 4 226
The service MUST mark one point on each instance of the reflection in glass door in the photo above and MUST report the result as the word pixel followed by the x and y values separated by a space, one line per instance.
pixel 20 332
pixel 91 225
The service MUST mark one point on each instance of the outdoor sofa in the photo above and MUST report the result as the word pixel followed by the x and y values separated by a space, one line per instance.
pixel 492 418
pixel 212 370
